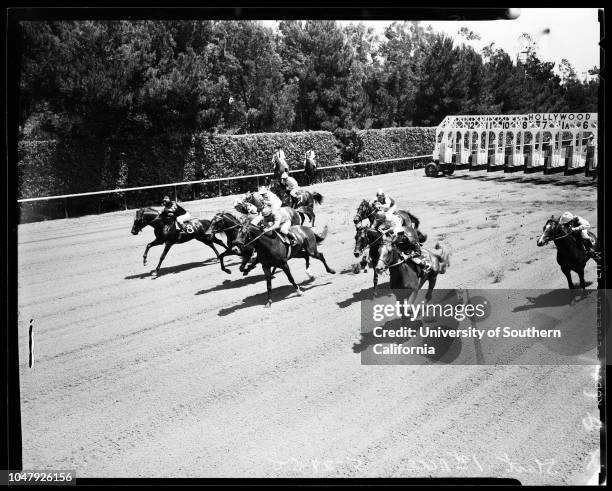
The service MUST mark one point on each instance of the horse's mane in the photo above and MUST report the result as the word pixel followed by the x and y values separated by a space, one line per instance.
pixel 146 209
pixel 228 214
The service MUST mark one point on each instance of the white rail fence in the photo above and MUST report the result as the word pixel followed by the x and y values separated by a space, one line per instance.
pixel 42 208
pixel 219 180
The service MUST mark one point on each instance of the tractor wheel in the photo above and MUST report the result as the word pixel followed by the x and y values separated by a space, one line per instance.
pixel 431 169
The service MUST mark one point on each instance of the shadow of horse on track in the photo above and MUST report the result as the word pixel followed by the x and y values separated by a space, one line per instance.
pixel 283 292
pixel 553 298
pixel 174 269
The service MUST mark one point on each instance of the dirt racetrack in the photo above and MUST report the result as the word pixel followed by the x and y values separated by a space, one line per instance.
pixel 188 375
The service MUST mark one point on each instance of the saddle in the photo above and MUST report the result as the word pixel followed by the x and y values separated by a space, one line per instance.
pixel 285 240
pixel 188 226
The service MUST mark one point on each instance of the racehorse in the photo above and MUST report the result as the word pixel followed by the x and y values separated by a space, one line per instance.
pixel 306 202
pixel 166 233
pixel 369 237
pixel 571 254
pixel 310 170
pixel 224 222
pixel 403 274
pixel 367 210
pixel 227 223
pixel 273 252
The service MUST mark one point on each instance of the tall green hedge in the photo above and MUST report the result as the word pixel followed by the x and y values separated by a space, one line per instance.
pixel 47 168
pixel 391 143
pixel 215 156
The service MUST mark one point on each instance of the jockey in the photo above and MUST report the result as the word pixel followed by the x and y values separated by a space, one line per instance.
pixel 292 187
pixel 574 223
pixel 173 210
pixel 254 198
pixel 384 202
pixel 392 224
pixel 279 220
pixel 310 157
pixel 411 250
pixel 243 206
pixel 387 223
pixel 269 198
pixel 279 162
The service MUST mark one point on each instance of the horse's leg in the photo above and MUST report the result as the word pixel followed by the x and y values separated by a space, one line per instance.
pixel 581 278
pixel 568 274
pixel 268 275
pixel 413 295
pixel 285 268
pixel 374 259
pixel 245 259
pixel 211 244
pixel 220 257
pixel 430 286
pixel 157 241
pixel 307 258
pixel 252 266
pixel 161 259
pixel 375 280
pixel 319 255
pixel 220 242
pixel 246 270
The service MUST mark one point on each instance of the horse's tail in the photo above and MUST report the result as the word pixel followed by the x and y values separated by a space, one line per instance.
pixel 318 197
pixel 321 237
pixel 306 211
pixel 415 221
pixel 444 256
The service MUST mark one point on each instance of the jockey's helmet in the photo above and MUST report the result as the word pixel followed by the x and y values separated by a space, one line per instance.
pixel 262 190
pixel 284 175
pixel 380 193
pixel 166 199
pixel 266 211
pixel 566 218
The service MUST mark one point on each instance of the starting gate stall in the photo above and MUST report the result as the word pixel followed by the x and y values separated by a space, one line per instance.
pixel 548 142
pixel 497 152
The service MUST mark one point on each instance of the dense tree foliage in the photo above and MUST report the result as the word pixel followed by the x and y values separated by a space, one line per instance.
pixel 118 79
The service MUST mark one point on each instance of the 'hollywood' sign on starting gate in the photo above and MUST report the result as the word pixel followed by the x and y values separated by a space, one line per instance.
pixel 551 142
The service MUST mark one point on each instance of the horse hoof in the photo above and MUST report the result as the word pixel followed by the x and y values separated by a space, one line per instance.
pixel 268 305
pixel 299 292
pixel 331 271
pixel 227 271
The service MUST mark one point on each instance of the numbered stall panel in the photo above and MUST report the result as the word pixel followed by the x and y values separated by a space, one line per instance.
pixel 538 142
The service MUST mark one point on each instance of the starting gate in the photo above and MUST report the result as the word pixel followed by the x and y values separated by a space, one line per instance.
pixel 547 142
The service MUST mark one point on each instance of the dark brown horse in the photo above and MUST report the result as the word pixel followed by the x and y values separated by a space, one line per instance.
pixel 367 237
pixel 273 252
pixel 226 223
pixel 571 254
pixel 166 233
pixel 365 210
pixel 305 204
pixel 403 274
pixel 310 170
